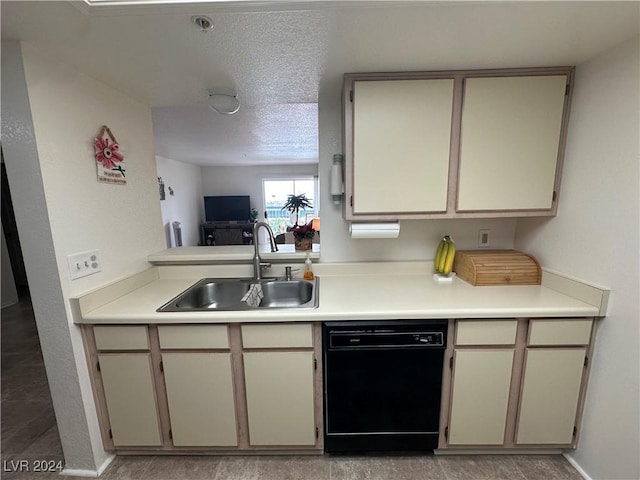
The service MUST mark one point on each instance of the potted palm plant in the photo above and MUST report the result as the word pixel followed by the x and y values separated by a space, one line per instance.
pixel 295 203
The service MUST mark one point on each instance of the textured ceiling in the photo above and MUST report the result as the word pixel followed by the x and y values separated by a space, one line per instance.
pixel 280 56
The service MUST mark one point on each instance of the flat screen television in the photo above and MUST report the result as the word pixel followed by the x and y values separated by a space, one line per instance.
pixel 227 208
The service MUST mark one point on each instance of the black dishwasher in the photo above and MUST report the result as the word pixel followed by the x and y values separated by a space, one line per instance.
pixel 382 385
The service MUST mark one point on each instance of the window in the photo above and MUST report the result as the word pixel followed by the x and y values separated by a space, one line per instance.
pixel 276 192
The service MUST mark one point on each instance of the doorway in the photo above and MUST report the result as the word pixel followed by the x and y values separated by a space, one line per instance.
pixel 12 239
pixel 29 429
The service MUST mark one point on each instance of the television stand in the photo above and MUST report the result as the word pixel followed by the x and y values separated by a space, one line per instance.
pixel 226 233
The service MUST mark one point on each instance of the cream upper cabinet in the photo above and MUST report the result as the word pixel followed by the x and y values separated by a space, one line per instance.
pixel 456 144
pixel 401 140
pixel 509 144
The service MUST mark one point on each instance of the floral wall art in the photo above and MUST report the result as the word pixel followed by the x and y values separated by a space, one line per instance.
pixel 109 160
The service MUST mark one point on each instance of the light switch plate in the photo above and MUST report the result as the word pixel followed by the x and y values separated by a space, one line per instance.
pixel 84 263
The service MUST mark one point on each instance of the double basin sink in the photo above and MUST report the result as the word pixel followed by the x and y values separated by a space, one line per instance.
pixel 227 294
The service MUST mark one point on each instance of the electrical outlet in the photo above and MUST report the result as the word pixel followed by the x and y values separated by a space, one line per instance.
pixel 484 238
pixel 84 263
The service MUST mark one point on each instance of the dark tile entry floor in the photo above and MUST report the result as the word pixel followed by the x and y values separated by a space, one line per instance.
pixel 29 433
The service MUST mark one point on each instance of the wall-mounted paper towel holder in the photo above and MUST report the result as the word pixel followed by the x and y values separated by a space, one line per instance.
pixel 337 187
pixel 374 230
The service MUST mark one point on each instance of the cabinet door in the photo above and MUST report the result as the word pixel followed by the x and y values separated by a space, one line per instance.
pixel 401 140
pixel 550 394
pixel 280 398
pixel 200 397
pixel 129 390
pixel 480 396
pixel 509 142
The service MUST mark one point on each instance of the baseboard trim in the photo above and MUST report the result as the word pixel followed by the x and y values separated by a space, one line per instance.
pixel 497 451
pixel 577 466
pixel 79 473
pixel 89 473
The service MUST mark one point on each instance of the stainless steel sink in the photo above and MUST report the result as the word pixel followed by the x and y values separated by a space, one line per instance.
pixel 286 293
pixel 227 294
pixel 208 294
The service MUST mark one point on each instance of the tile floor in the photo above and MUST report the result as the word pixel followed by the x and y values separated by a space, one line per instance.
pixel 29 433
pixel 29 430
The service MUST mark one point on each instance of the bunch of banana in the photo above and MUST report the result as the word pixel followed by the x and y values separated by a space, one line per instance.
pixel 445 254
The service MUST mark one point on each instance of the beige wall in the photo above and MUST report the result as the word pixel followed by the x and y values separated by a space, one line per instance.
pixel 185 205
pixel 123 222
pixel 50 116
pixel 595 238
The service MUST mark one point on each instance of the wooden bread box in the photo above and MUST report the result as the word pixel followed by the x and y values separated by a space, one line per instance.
pixel 497 267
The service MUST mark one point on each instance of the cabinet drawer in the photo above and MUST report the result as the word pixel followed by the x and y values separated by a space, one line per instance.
pixel 486 332
pixel 560 332
pixel 130 337
pixel 193 336
pixel 277 336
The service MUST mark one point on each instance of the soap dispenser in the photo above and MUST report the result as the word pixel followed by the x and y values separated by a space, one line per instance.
pixel 308 272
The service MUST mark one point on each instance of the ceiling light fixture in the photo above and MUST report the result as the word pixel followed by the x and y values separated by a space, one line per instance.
pixel 224 100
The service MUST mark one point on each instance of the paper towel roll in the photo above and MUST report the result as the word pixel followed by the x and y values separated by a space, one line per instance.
pixel 374 230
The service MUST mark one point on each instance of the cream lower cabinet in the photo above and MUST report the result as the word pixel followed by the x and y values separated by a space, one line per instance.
pixel 550 395
pixel 280 398
pixel 200 398
pixel 481 385
pixel 249 387
pixel 123 364
pixel 517 383
pixel 199 385
pixel 481 381
pixel 130 397
pixel 555 368
pixel 280 384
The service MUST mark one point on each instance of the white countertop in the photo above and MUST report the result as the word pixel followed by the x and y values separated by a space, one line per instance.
pixel 230 253
pixel 355 297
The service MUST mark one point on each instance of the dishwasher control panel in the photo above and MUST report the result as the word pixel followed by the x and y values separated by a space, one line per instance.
pixel 385 336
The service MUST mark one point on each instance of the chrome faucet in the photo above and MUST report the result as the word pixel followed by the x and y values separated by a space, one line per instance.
pixel 258 264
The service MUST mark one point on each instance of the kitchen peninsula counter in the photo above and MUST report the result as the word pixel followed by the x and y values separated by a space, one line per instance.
pixel 231 253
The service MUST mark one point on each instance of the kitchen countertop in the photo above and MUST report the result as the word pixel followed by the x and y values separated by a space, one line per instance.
pixel 346 296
